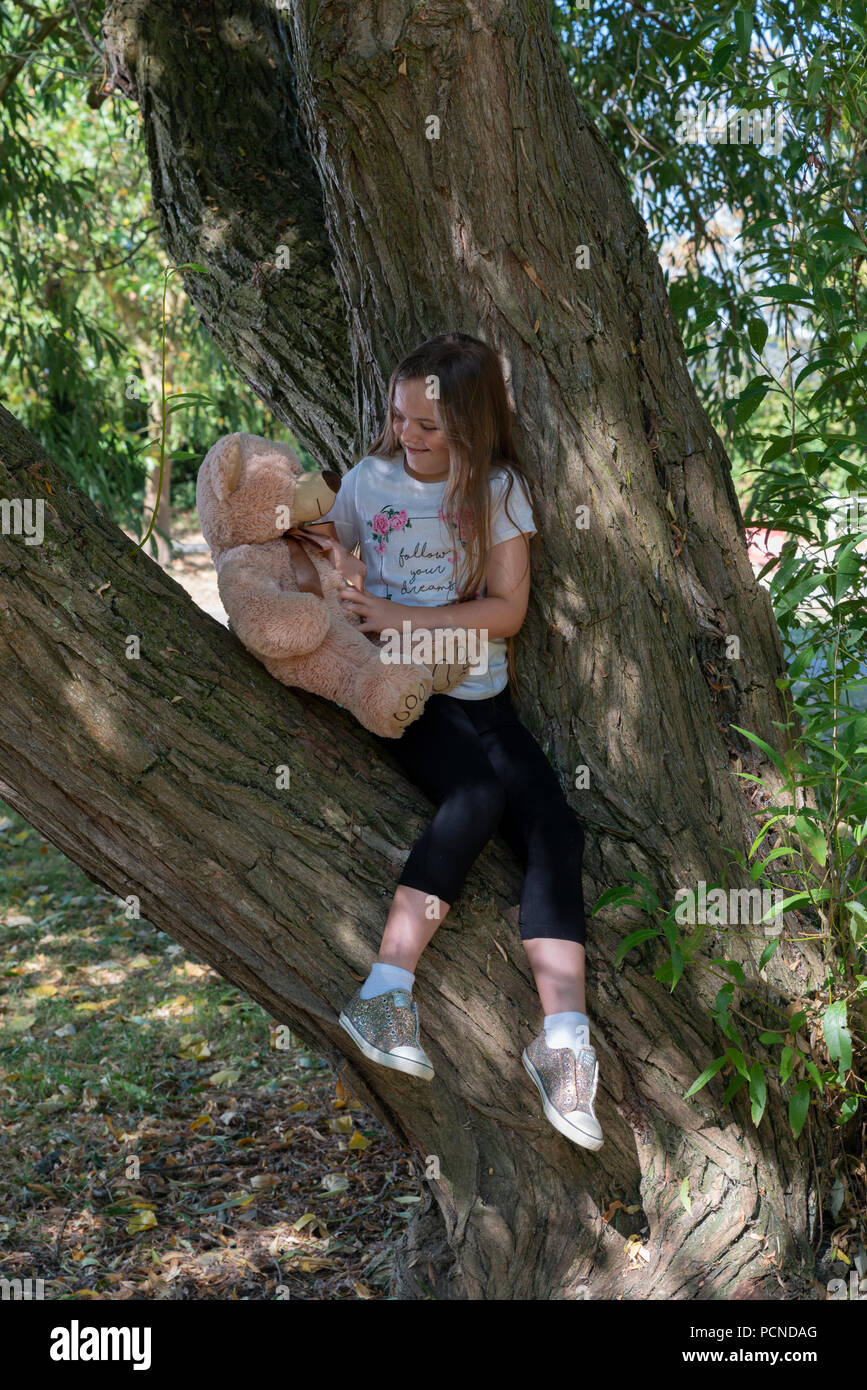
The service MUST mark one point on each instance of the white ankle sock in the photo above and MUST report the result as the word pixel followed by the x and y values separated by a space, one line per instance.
pixel 567 1030
pixel 383 977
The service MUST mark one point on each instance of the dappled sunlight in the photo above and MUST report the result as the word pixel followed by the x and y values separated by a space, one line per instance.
pixel 163 1138
pixel 99 719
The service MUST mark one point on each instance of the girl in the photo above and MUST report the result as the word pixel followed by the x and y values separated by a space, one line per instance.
pixel 440 507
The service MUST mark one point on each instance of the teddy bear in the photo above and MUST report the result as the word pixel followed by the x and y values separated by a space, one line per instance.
pixel 279 585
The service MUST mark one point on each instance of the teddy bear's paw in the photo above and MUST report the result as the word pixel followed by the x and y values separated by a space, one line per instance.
pixel 410 705
pixel 447 674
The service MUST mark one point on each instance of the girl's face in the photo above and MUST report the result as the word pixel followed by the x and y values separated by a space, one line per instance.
pixel 417 427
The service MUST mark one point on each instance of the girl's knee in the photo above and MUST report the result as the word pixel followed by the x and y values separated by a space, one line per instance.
pixel 557 834
pixel 481 804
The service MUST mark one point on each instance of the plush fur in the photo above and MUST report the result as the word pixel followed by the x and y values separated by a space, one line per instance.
pixel 249 492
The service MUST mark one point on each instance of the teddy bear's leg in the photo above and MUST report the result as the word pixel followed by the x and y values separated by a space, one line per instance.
pixel 388 698
pixel 447 674
pixel 385 698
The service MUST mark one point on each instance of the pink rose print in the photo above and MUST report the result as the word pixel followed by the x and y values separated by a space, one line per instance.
pixel 386 521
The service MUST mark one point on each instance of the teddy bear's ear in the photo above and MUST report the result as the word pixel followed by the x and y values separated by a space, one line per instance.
pixel 227 468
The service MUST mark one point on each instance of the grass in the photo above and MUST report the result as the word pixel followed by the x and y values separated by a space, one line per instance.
pixel 158 1142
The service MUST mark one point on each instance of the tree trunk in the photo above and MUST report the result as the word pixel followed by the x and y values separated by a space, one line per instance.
pixel 625 664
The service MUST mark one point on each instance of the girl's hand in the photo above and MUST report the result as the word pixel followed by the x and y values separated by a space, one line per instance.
pixel 375 613
pixel 352 569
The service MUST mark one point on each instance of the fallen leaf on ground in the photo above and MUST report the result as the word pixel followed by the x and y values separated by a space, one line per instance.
pixel 144 1220
pixel 227 1077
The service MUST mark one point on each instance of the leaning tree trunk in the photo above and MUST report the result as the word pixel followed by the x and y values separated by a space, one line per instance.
pixel 623 661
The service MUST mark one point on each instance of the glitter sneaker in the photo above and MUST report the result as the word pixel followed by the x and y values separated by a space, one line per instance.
pixel 386 1029
pixel 567 1085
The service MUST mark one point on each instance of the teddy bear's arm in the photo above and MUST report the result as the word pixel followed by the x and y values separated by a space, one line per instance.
pixel 270 621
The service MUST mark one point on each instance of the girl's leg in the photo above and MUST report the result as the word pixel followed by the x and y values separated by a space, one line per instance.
pixel 548 838
pixel 444 756
pixel 558 969
pixel 412 921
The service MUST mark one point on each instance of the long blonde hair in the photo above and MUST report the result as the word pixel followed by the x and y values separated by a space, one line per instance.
pixel 476 419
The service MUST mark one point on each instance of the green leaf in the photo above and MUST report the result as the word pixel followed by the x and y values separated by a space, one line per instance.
pixel 857 921
pixel 735 971
pixel 840 236
pixel 669 929
pixel 677 964
pixel 685 1199
pixel 849 1108
pixel 815 1073
pixel 749 402
pixel 634 939
pixel 733 1087
pixel 706 1075
pixel 766 748
pixel 758 1091
pixel 837 1035
pixel 815 364
pixel 815 77
pixel 787 1062
pixel 737 1060
pixel 769 951
pixel 744 30
pixel 758 334
pixel 788 294
pixel 651 900
pixel 722 52
pixel 799 1104
pixel 814 838
pixel 623 894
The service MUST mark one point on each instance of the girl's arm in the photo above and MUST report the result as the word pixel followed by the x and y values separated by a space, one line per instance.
pixel 353 570
pixel 500 613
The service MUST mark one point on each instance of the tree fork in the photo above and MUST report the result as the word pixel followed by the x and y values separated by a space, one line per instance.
pixel 158 777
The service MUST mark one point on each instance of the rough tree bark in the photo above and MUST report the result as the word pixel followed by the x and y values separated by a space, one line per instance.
pixel 620 659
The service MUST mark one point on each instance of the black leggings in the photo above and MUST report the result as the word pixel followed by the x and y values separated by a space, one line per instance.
pixel 486 772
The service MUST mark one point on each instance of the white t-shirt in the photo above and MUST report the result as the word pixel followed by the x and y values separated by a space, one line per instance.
pixel 408 549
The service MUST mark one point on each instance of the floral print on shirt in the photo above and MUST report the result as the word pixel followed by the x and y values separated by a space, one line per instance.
pixel 386 520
